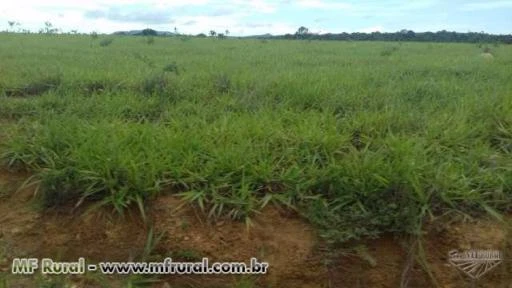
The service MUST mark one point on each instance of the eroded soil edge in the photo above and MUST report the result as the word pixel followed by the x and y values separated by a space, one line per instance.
pixel 296 255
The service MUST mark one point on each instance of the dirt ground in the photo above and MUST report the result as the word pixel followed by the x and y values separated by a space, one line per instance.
pixel 297 257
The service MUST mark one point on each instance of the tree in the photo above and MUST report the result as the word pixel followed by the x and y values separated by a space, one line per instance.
pixel 302 32
pixel 221 36
pixel 227 32
pixel 94 36
pixel 402 35
pixel 213 33
pixel 12 24
pixel 48 28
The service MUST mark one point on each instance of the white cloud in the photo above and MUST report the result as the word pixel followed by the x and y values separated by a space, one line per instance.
pixel 241 17
pixel 236 24
pixel 390 7
pixel 487 5
pixel 321 4
pixel 372 29
pixel 276 28
pixel 258 6
pixel 198 24
pixel 114 15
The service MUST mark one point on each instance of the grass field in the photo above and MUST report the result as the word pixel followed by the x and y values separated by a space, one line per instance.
pixel 360 138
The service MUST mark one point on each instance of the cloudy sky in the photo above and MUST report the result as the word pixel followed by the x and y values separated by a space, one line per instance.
pixel 250 17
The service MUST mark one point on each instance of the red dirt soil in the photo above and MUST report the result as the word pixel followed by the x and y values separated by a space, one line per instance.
pixel 295 253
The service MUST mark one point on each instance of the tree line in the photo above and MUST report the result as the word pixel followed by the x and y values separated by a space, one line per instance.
pixel 403 35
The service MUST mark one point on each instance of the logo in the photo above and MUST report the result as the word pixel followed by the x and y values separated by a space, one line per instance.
pixel 475 263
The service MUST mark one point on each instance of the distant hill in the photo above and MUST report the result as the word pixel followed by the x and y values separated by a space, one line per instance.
pixel 167 33
pixel 263 36
pixel 141 33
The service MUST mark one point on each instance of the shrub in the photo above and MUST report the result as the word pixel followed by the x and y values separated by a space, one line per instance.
pixel 222 83
pixel 59 187
pixel 106 42
pixel 154 84
pixel 172 67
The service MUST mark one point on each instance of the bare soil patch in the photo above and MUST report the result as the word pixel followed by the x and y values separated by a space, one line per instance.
pixel 295 253
pixel 283 240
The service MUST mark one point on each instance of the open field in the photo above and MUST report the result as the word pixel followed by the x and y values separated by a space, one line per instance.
pixel 317 147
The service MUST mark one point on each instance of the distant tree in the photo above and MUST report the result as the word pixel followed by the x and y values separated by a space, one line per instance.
pixel 74 32
pixel 221 36
pixel 94 36
pixel 201 35
pixel 402 35
pixel 302 32
pixel 13 24
pixel 48 28
pixel 227 32
pixel 213 33
pixel 410 35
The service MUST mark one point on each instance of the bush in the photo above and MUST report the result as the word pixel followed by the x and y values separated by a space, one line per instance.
pixel 154 84
pixel 106 42
pixel 172 67
pixel 222 83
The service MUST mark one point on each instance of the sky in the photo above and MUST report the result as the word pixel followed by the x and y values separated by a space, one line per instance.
pixel 255 17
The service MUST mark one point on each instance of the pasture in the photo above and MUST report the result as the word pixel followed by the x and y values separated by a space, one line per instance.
pixel 356 139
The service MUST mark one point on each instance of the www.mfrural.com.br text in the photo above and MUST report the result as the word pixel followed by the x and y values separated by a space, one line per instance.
pixel 28 266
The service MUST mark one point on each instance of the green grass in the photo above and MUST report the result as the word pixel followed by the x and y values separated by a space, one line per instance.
pixel 361 138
